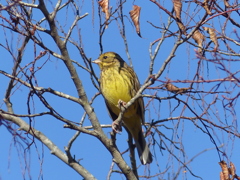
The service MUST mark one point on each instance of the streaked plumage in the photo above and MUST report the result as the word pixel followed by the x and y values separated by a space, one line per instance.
pixel 118 81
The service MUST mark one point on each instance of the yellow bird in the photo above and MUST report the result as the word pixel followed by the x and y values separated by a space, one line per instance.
pixel 119 83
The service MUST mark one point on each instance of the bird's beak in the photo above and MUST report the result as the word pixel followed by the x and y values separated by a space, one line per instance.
pixel 97 61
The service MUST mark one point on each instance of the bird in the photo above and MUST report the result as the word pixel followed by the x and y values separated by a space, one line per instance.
pixel 118 85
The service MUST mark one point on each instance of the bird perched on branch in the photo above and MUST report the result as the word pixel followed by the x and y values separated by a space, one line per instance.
pixel 119 84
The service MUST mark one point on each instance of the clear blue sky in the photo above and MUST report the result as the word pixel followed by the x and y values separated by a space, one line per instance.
pixel 94 157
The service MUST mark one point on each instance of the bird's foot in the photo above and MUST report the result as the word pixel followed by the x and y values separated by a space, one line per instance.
pixel 117 126
pixel 121 103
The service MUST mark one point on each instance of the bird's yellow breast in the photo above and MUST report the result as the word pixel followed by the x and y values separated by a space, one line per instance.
pixel 116 86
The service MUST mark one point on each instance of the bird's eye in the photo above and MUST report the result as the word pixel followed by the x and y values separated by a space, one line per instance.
pixel 104 57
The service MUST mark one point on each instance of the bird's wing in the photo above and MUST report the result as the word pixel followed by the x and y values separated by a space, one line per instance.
pixel 140 109
pixel 139 101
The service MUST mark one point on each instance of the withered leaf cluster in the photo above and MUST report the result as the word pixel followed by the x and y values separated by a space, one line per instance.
pixel 228 173
pixel 134 14
pixel 198 37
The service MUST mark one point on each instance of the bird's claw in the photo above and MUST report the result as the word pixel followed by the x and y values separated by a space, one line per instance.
pixel 121 103
pixel 117 127
pixel 117 124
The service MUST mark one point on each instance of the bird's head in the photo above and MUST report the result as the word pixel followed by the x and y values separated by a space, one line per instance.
pixel 109 59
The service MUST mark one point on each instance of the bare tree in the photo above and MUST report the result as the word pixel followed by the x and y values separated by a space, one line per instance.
pixel 186 54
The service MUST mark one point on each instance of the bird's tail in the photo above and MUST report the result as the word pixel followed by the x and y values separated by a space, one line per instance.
pixel 144 153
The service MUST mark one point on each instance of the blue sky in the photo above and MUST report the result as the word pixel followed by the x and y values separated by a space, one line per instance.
pixel 186 134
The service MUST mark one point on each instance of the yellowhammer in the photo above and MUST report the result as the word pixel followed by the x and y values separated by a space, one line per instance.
pixel 118 82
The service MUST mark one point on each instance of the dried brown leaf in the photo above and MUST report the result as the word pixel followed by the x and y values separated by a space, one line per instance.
pixel 135 16
pixel 105 8
pixel 226 3
pixel 213 36
pixel 232 169
pixel 225 171
pixel 221 176
pixel 199 38
pixel 174 89
pixel 177 5
pixel 171 87
pixel 182 27
pixel 206 7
